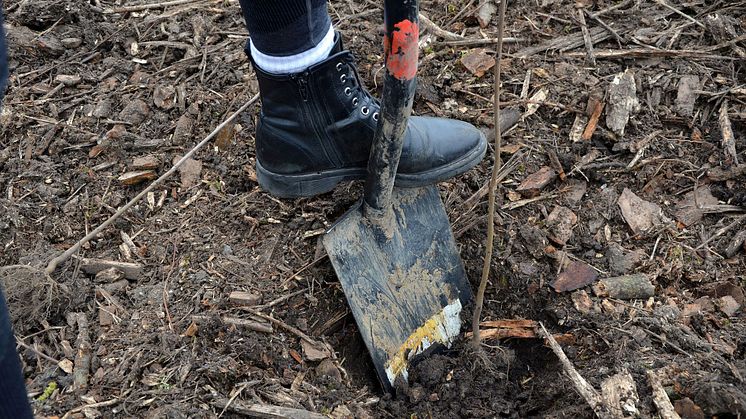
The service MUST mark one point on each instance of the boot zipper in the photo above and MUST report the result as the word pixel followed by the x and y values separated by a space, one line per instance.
pixel 314 114
pixel 302 82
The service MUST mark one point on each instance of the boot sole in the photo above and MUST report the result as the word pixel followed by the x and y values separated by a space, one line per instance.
pixel 316 183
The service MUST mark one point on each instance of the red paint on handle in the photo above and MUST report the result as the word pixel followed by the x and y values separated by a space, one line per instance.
pixel 402 50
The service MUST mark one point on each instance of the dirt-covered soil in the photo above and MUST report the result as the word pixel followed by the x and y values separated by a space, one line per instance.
pixel 621 163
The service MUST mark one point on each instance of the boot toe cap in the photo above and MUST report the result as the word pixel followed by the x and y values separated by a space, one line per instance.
pixel 440 148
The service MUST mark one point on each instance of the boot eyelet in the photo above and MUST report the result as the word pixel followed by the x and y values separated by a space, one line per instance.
pixel 343 78
pixel 348 91
pixel 339 66
pixel 375 116
pixel 364 110
pixel 354 101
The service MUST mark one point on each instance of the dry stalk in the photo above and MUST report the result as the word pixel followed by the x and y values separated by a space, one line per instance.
pixel 493 184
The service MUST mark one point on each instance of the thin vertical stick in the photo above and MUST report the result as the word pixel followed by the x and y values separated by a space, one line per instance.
pixel 493 183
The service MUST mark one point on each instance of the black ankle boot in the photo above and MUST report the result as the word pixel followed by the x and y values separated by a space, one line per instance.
pixel 316 128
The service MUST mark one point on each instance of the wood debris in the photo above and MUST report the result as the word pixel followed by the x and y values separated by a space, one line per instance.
pixel 690 209
pixel 660 398
pixel 132 271
pixel 190 172
pixel 641 216
pixel 561 221
pixel 626 287
pixel 486 12
pixel 687 95
pixel 244 298
pixel 516 328
pixel 576 275
pixel 728 141
pixel 535 182
pixel 82 368
pixel 622 101
pixel 596 107
pixel 620 394
pixel 590 394
pixel 149 162
pixel 137 177
pixel 265 411
pixel 478 62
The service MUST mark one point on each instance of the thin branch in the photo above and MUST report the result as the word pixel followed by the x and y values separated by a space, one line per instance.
pixel 493 184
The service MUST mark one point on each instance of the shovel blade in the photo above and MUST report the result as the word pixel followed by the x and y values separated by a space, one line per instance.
pixel 403 278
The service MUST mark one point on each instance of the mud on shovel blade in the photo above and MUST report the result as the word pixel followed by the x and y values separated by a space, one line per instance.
pixel 394 253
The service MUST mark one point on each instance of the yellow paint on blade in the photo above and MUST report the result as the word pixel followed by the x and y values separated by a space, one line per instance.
pixel 442 328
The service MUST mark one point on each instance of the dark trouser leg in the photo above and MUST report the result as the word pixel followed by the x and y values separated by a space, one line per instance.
pixel 13 399
pixel 287 27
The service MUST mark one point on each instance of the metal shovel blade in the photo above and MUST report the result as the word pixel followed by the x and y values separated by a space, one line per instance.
pixel 405 282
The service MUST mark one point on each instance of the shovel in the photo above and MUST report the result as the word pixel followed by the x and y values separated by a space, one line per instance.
pixel 394 252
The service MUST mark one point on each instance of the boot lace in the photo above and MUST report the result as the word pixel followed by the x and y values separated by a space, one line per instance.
pixel 355 89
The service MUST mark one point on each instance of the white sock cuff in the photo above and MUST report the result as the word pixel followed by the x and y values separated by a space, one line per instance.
pixel 294 63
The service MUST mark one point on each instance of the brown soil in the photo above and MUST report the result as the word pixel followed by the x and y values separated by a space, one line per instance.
pixel 155 82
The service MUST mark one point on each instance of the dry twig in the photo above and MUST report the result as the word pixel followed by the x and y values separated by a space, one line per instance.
pixel 662 402
pixel 729 141
pixel 590 394
pixel 493 184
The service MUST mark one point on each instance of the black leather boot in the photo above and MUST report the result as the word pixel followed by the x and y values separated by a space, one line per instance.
pixel 316 129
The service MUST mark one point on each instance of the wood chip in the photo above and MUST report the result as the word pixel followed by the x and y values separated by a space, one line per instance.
pixel 687 409
pixel 66 365
pixel 687 95
pixel 561 222
pixel 582 301
pixel 243 298
pixel 590 128
pixel 660 398
pixel 578 127
pixel 689 209
pixel 137 177
pixel 622 101
pixel 191 330
pixel 485 12
pixel 190 172
pixel 535 182
pixel 728 305
pixel 68 80
pixel 265 411
pixel 478 62
pixel 576 275
pixel 132 271
pixel 620 395
pixel 164 97
pixel 315 351
pixel 641 216
pixel 626 287
pixel 149 162
pixel 728 141
pixel 110 275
